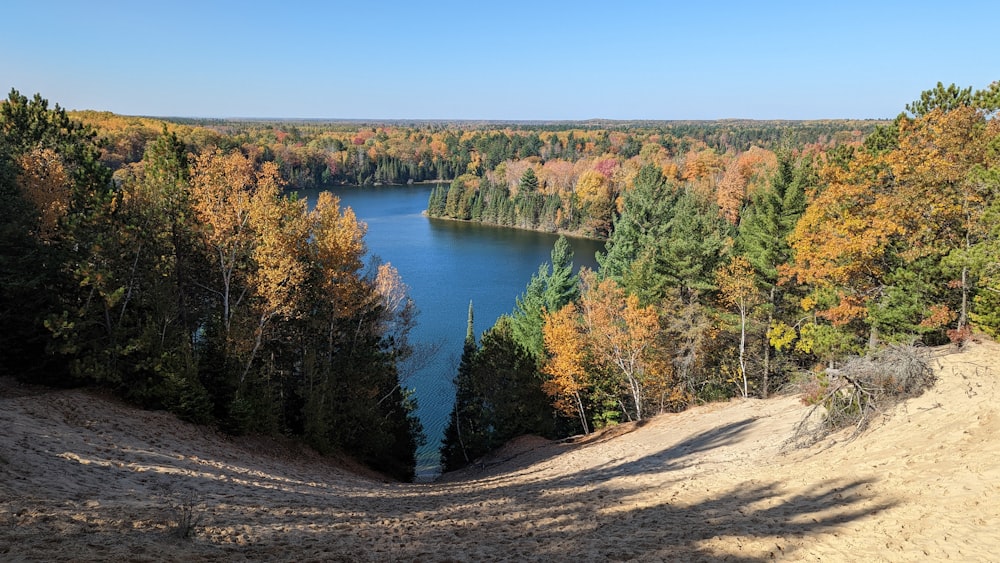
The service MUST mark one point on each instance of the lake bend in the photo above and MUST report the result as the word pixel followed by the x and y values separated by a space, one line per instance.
pixel 446 264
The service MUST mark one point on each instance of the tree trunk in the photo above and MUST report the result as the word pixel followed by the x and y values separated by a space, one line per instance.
pixel 583 414
pixel 765 386
pixel 743 346
pixel 962 316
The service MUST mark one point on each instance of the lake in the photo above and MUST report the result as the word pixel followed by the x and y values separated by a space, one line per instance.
pixel 446 264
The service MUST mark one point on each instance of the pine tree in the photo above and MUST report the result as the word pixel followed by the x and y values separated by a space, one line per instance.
pixel 529 182
pixel 684 257
pixel 763 239
pixel 464 436
pixel 506 378
pixel 549 289
pixel 54 195
pixel 648 209
pixel 436 202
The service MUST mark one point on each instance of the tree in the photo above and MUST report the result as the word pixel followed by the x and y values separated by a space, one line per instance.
pixel 54 196
pixel 154 264
pixel 738 288
pixel 938 201
pixel 280 258
pixel 942 98
pixel 988 99
pixel 45 183
pixel 621 334
pixel 762 239
pixel 348 334
pixel 646 209
pixel 465 436
pixel 695 244
pixel 664 239
pixel 741 179
pixel 222 186
pixel 529 182
pixel 568 379
pixel 507 378
pixel 594 192
pixel 549 289
pixel 843 242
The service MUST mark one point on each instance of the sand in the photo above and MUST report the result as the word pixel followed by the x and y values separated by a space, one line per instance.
pixel 85 477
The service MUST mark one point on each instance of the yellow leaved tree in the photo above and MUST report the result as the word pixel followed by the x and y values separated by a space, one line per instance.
pixel 566 347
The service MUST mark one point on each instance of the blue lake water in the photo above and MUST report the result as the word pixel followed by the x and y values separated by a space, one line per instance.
pixel 446 264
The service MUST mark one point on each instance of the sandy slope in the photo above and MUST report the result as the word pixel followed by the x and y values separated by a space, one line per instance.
pixel 83 477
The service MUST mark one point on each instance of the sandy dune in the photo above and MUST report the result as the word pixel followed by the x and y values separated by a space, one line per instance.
pixel 83 477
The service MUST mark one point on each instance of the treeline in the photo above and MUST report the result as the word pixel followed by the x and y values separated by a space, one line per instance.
pixel 791 262
pixel 188 281
pixel 581 191
pixel 312 154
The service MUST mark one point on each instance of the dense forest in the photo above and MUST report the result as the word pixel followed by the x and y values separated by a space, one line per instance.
pixel 574 182
pixel 172 262
pixel 734 273
pixel 188 280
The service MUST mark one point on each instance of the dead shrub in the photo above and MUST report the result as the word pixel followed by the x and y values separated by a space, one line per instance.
pixel 863 389
pixel 187 517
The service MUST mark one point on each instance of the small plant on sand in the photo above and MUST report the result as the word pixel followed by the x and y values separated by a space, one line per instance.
pixel 187 516
pixel 861 390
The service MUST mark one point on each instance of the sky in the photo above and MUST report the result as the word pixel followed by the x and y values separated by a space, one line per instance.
pixel 496 60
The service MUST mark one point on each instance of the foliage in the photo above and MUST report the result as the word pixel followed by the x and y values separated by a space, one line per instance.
pixel 941 98
pixel 738 288
pixel 550 289
pixel 567 375
pixel 194 284
pixel 497 397
pixel 736 252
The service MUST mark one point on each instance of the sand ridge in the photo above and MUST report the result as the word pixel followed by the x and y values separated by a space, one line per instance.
pixel 85 477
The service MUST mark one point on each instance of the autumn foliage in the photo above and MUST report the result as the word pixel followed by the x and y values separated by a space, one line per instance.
pixel 192 282
pixel 169 262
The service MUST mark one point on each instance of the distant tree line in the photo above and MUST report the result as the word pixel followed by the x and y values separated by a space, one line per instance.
pixel 312 154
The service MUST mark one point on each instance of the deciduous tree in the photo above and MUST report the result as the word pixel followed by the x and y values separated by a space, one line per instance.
pixel 567 377
pixel 738 289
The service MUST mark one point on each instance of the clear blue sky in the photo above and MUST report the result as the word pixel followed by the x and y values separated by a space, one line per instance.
pixel 508 59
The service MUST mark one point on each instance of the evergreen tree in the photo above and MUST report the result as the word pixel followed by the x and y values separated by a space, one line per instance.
pixel 694 246
pixel 648 206
pixel 159 265
pixel 453 198
pixel 763 240
pixel 941 97
pixel 464 437
pixel 506 377
pixel 498 396
pixel 55 195
pixel 549 289
pixel 529 181
pixel 664 239
pixel 27 276
pixel 436 202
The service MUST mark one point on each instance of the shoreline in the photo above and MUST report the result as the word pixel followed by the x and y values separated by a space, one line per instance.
pixel 567 234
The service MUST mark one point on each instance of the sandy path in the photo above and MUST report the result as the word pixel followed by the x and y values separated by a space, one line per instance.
pixel 83 477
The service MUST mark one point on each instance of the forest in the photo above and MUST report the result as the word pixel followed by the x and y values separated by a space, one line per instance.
pixel 189 280
pixel 735 274
pixel 171 262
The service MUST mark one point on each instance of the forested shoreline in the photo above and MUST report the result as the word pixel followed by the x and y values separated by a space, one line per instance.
pixel 172 262
pixel 738 274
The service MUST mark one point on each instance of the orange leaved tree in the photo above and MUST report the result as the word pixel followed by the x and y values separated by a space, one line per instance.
pixel 568 380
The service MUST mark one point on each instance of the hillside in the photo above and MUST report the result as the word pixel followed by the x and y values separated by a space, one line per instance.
pixel 83 477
